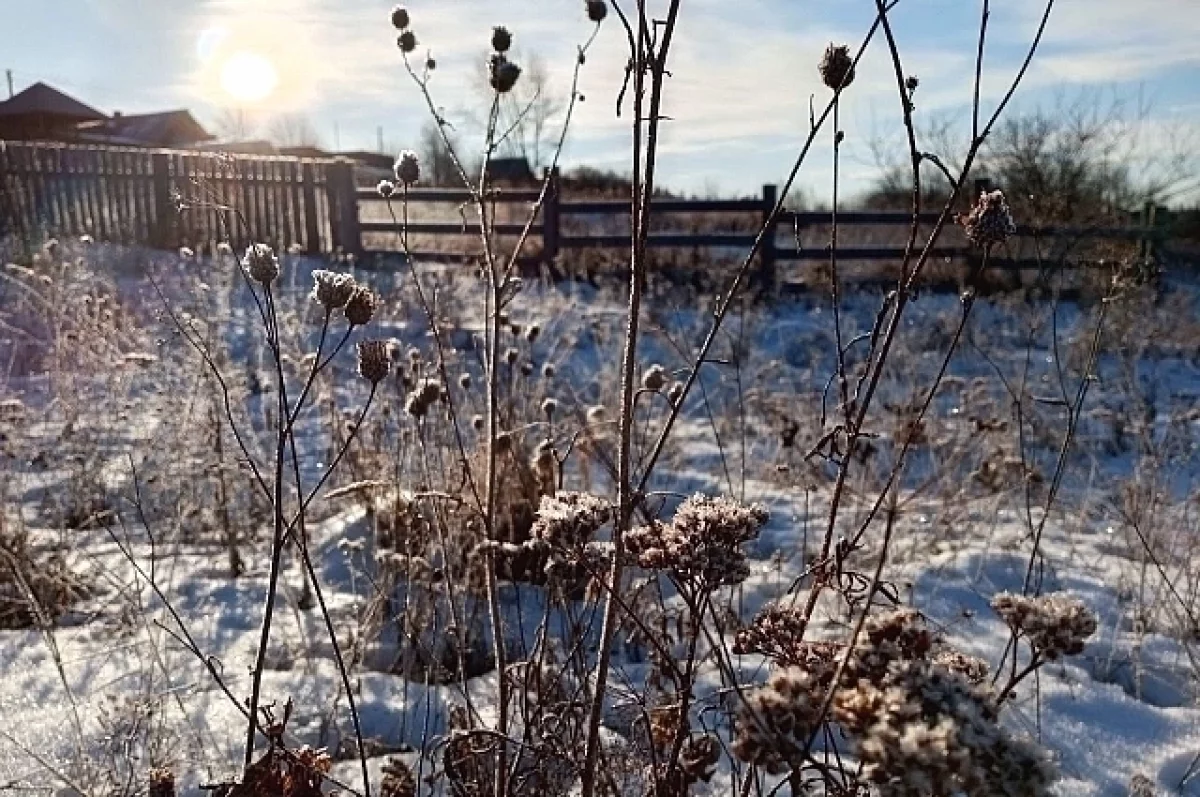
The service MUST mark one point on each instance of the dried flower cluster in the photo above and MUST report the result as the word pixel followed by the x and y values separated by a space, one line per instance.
pixel 703 541
pixel 569 520
pixel 331 289
pixel 655 378
pixel 777 719
pixel 918 717
pixel 990 221
pixel 1055 625
pixel 777 632
pixel 281 773
pixel 921 730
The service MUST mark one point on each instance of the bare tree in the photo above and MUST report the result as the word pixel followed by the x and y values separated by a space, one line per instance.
pixel 235 124
pixel 293 130
pixel 436 159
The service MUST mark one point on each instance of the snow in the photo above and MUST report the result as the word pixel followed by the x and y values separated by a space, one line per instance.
pixel 1127 705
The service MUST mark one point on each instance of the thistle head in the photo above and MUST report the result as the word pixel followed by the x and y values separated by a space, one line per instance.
pixel 373 362
pixel 837 67
pixel 260 263
pixel 407 168
pixel 361 306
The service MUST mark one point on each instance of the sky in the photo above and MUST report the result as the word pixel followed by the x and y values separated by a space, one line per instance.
pixel 742 71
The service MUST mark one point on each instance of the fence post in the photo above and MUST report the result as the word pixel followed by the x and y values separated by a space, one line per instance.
pixel 312 227
pixel 766 255
pixel 160 169
pixel 550 218
pixel 343 207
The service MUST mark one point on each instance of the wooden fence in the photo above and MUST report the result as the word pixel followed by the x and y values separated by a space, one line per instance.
pixel 172 198
pixel 168 199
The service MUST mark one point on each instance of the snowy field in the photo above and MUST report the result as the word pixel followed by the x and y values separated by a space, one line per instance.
pixel 109 686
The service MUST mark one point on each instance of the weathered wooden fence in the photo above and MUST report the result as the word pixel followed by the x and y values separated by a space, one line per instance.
pixel 171 198
pixel 168 199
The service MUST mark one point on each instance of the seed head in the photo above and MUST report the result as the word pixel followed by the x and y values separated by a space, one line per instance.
pixel 361 306
pixel 597 10
pixel 503 74
pixel 407 168
pixel 990 222
pixel 464 381
pixel 400 17
pixel 549 407
pixel 501 39
pixel 675 394
pixel 331 289
pixel 373 362
pixel 548 370
pixel 430 63
pixel 511 356
pixel 386 188
pixel 407 41
pixel 532 333
pixel 655 378
pixel 837 67
pixel 260 263
pixel 477 423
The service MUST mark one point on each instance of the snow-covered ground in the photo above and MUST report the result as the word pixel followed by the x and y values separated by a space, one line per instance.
pixel 113 672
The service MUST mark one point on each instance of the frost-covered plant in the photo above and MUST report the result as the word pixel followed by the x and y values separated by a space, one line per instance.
pixel 702 543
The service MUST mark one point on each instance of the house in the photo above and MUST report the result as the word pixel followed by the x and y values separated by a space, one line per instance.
pixel 169 129
pixel 514 171
pixel 42 112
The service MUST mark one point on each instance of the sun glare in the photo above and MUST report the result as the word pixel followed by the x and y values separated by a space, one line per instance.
pixel 248 76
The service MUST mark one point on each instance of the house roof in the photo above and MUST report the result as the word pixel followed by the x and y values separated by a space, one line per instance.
pixel 163 129
pixel 42 100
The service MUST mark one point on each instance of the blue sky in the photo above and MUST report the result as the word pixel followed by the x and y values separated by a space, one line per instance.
pixel 743 69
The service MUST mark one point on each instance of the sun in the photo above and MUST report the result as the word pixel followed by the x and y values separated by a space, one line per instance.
pixel 248 77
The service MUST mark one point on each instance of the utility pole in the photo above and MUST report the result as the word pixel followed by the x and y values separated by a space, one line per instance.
pixel 379 138
pixel 8 74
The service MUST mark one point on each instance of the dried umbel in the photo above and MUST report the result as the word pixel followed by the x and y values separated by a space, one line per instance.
pixel 923 730
pixel 972 668
pixel 569 520
pixel 774 724
pixel 501 39
pixel 373 362
pixel 407 168
pixel 703 541
pixel 777 632
pixel 260 263
pixel 837 67
pixel 1055 625
pixel 361 306
pixel 990 221
pixel 331 289
pixel 502 73
pixel 597 10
